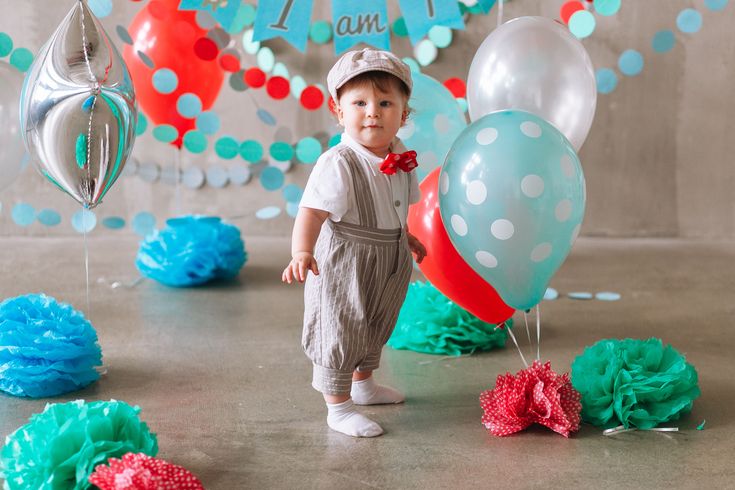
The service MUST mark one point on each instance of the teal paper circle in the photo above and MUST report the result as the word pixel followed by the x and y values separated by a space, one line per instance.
pixel 715 5
pixel 425 52
pixel 84 221
pixel 272 178
pixel 195 141
pixel 227 147
pixel 606 7
pixel 308 149
pixel 165 133
pixel 266 59
pixel 630 62
pixel 100 8
pixel 606 79
pixel 582 23
pixel 144 223
pixel 21 58
pixel 663 41
pixel 320 32
pixel 23 214
pixel 141 125
pixel 689 21
pixel 441 36
pixel 48 217
pixel 269 212
pixel 6 45
pixel 292 193
pixel 113 222
pixel 208 122
pixel 281 151
pixel 251 151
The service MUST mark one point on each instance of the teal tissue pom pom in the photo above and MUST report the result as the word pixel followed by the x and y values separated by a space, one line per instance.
pixel 60 447
pixel 430 322
pixel 192 250
pixel 634 383
pixel 47 348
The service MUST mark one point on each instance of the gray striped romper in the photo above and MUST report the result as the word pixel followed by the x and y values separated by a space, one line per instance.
pixel 351 307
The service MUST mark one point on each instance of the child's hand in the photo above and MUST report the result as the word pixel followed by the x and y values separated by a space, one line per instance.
pixel 300 265
pixel 417 248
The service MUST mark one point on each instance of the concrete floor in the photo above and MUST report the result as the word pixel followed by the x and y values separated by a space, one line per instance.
pixel 220 375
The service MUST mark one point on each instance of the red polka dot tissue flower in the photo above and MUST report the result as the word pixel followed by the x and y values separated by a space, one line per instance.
pixel 141 472
pixel 535 395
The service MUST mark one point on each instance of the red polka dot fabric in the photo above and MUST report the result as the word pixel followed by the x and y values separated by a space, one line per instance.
pixel 535 395
pixel 142 472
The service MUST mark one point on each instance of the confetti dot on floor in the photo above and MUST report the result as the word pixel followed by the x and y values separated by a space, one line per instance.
pixel 580 295
pixel 607 296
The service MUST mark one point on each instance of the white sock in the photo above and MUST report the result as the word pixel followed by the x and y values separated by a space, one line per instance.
pixel 343 418
pixel 368 392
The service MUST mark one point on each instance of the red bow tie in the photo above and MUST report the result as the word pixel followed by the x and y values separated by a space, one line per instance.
pixel 405 161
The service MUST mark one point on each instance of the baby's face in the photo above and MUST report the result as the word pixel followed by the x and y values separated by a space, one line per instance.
pixel 372 117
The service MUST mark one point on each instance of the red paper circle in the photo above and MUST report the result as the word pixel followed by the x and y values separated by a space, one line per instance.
pixel 568 9
pixel 456 86
pixel 205 49
pixel 278 87
pixel 311 98
pixel 254 77
pixel 229 63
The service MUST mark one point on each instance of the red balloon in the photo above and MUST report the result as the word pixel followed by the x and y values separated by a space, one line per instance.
pixel 444 267
pixel 167 36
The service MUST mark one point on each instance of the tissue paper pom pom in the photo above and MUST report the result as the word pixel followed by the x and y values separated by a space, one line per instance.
pixel 534 395
pixel 636 383
pixel 430 322
pixel 60 447
pixel 192 250
pixel 141 472
pixel 46 348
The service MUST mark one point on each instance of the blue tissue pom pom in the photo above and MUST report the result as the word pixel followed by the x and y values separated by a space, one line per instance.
pixel 192 250
pixel 47 348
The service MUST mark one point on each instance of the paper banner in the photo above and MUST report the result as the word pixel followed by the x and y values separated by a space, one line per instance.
pixel 288 19
pixel 486 5
pixel 223 11
pixel 422 15
pixel 358 21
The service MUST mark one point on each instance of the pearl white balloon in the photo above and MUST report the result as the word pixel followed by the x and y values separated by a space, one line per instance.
pixel 535 64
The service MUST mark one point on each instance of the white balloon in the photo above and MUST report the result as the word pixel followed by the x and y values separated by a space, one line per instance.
pixel 536 65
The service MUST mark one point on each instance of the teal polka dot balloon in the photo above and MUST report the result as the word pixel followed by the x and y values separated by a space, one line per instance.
pixel 512 199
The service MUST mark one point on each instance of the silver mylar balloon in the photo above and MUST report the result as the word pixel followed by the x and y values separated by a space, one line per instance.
pixel 536 65
pixel 78 108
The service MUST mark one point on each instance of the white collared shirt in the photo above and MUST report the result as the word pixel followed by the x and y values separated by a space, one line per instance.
pixel 330 186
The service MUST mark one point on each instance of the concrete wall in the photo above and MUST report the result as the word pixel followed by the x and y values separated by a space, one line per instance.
pixel 657 159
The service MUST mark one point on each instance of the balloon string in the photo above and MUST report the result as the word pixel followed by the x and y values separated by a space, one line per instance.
pixel 86 254
pixel 177 188
pixel 528 333
pixel 500 12
pixel 513 337
pixel 538 333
